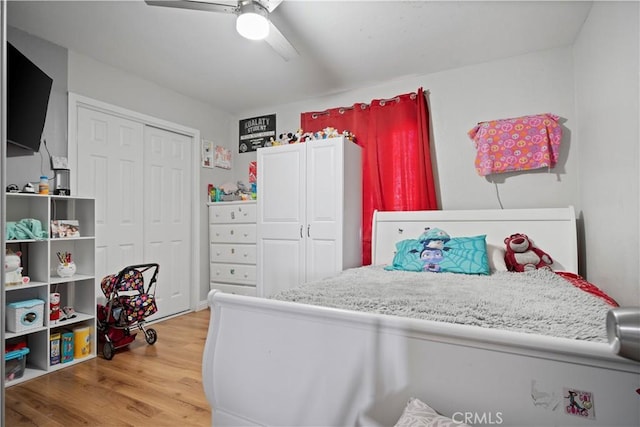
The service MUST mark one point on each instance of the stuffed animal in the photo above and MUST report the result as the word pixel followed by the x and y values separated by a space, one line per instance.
pixel 13 269
pixel 522 255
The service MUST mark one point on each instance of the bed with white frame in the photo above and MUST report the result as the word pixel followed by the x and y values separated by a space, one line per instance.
pixel 274 363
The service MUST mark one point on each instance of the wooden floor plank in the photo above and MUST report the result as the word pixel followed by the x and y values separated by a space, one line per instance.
pixel 143 385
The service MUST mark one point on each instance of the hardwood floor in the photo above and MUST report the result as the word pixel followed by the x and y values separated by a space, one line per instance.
pixel 143 385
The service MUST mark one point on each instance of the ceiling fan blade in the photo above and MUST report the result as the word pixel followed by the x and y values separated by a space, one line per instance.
pixel 270 5
pixel 229 7
pixel 275 39
pixel 280 44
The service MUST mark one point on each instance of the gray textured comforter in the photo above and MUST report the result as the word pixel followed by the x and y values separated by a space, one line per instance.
pixel 539 302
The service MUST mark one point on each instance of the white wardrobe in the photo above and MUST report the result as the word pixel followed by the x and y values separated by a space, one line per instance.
pixel 309 212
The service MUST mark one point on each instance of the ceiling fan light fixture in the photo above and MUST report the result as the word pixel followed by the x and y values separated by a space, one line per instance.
pixel 253 22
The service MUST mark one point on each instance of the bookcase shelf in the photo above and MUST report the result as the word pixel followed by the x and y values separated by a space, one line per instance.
pixel 39 261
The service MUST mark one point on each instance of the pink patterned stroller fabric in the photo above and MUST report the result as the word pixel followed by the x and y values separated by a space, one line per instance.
pixel 521 143
pixel 129 291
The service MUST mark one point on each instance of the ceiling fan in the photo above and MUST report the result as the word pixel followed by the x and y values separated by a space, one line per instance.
pixel 252 20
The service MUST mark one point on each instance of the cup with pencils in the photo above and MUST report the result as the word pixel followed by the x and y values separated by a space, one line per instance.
pixel 66 266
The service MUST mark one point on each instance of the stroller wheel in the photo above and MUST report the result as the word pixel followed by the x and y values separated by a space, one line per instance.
pixel 108 350
pixel 151 336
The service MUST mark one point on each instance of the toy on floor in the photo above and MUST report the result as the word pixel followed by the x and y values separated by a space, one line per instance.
pixel 129 303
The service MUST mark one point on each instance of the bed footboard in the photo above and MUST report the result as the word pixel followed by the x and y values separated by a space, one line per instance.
pixel 273 363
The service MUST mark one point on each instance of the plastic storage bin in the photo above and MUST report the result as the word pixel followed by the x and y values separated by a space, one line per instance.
pixel 82 342
pixel 15 363
pixel 25 315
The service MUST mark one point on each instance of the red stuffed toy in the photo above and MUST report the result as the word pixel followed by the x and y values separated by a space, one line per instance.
pixel 522 255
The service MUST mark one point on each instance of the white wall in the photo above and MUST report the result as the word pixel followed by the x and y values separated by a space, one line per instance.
pixel 597 97
pixel 535 83
pixel 607 92
pixel 529 84
pixel 22 165
pixel 107 84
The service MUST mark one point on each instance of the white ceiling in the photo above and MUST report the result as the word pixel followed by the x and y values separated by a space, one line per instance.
pixel 342 44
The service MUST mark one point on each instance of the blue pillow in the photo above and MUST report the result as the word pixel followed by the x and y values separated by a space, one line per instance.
pixel 467 255
pixel 407 257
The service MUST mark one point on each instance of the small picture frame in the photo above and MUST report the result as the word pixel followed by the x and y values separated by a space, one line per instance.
pixel 222 158
pixel 207 154
pixel 64 228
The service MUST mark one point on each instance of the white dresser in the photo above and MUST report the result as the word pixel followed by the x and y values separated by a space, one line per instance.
pixel 232 247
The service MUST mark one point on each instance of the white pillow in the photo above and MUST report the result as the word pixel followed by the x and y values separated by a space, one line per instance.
pixel 419 414
pixel 496 258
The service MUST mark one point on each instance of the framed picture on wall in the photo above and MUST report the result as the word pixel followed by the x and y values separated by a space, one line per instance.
pixel 256 132
pixel 207 154
pixel 222 158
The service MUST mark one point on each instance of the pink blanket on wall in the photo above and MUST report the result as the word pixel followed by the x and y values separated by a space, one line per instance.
pixel 521 143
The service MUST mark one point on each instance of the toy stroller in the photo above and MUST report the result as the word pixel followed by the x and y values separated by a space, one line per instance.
pixel 128 304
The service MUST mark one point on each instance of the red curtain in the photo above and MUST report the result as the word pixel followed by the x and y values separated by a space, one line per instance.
pixel 396 157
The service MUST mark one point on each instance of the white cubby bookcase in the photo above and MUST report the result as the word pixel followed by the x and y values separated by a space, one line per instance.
pixel 39 262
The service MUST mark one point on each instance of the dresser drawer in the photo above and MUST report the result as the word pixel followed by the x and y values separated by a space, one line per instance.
pixel 232 273
pixel 232 253
pixel 234 289
pixel 232 233
pixel 244 212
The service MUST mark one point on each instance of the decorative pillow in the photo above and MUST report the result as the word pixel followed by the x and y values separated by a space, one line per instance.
pixel 442 254
pixel 419 414
pixel 466 255
pixel 496 258
pixel 407 256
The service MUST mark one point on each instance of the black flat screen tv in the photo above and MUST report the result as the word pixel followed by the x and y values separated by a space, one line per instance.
pixel 28 91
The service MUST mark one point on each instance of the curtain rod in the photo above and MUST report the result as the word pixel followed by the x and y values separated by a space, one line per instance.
pixel 363 105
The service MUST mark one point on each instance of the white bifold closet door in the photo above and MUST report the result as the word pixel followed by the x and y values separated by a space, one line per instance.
pixel 138 175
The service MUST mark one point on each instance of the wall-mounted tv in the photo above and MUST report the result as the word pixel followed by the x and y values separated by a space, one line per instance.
pixel 28 91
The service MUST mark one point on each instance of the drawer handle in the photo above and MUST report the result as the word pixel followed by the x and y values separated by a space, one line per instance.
pixel 231 232
pixel 233 215
pixel 233 271
pixel 217 272
pixel 246 275
pixel 218 253
pixel 233 250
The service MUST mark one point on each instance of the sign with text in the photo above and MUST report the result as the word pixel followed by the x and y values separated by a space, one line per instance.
pixel 256 131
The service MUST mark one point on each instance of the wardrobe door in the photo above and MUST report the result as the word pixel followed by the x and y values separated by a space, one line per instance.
pixel 281 218
pixel 110 169
pixel 324 208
